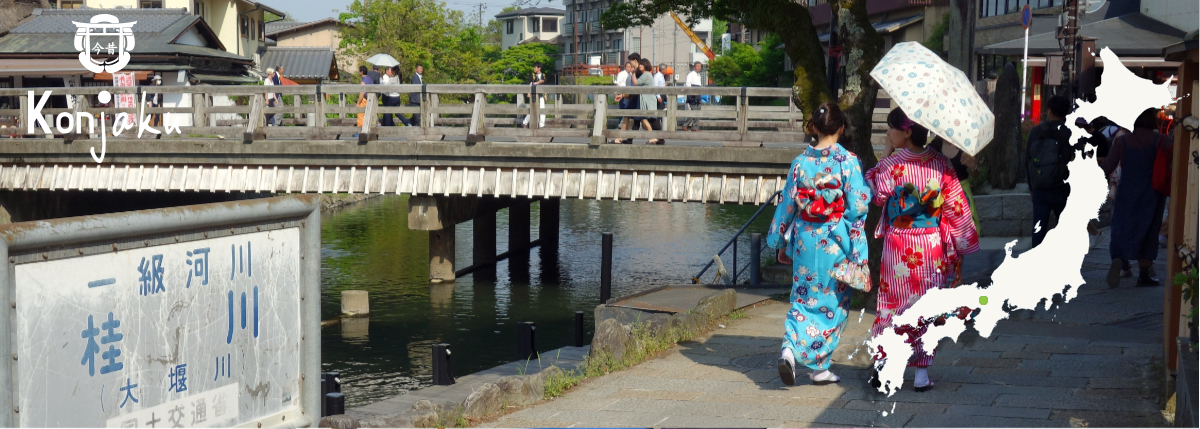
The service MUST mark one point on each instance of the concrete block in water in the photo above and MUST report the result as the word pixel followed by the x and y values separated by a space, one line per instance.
pixel 355 303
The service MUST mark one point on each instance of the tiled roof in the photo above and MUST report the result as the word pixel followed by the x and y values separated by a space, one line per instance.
pixel 533 11
pixel 301 62
pixel 49 32
pixel 59 21
pixel 284 27
pixel 1134 34
pixel 277 26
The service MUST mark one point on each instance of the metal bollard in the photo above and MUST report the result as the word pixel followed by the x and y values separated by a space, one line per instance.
pixel 324 391
pixel 578 329
pixel 335 378
pixel 335 403
pixel 441 365
pixel 526 344
pixel 605 267
pixel 755 258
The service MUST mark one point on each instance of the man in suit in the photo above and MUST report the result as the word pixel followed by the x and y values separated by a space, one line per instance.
pixel 374 74
pixel 414 98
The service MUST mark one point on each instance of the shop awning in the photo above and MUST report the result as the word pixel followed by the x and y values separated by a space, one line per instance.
pixel 42 67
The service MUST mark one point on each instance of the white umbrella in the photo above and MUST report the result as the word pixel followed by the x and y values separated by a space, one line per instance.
pixel 383 60
pixel 936 95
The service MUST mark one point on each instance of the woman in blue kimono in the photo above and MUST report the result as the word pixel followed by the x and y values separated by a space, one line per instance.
pixel 818 228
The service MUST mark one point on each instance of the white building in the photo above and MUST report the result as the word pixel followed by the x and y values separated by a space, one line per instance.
pixel 534 25
pixel 583 40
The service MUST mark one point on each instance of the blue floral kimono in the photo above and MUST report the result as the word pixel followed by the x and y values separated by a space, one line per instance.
pixel 819 223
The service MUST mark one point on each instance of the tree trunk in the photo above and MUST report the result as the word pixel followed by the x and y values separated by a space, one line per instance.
pixel 962 36
pixel 1003 154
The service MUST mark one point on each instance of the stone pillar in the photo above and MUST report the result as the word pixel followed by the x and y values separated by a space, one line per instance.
pixel 483 248
pixel 548 226
pixel 441 255
pixel 518 225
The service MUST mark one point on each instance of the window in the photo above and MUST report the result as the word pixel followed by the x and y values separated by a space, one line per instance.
pixel 616 44
pixel 198 8
pixel 254 29
pixel 635 44
pixel 550 25
pixel 150 4
pixel 262 31
pixel 989 8
pixel 508 27
pixel 535 25
pixel 70 4
pixel 244 26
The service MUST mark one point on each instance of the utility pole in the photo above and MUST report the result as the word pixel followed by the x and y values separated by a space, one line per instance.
pixel 481 6
pixel 1070 32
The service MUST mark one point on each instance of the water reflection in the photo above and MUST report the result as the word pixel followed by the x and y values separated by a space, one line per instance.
pixel 368 246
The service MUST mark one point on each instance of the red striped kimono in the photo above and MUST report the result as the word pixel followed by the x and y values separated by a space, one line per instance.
pixel 920 252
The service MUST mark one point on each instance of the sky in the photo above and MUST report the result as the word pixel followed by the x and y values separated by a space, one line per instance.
pixel 313 10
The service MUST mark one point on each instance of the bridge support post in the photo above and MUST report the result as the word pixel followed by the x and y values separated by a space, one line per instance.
pixel 518 225
pixel 548 224
pixel 483 248
pixel 441 255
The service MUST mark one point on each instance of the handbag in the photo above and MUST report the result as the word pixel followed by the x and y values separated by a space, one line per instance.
pixel 362 102
pixel 1161 179
pixel 853 274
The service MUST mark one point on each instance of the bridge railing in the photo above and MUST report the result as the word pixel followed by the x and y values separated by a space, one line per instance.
pixel 319 112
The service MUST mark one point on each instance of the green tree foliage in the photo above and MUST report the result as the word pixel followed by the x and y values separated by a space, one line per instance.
pixel 515 64
pixel 745 66
pixel 416 32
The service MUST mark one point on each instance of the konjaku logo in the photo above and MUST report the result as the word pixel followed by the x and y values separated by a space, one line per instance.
pixel 105 35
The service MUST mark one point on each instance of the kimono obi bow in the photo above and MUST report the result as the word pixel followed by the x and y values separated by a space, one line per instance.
pixel 908 208
pixel 820 200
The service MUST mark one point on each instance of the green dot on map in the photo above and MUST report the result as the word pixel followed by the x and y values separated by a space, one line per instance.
pixel 983 300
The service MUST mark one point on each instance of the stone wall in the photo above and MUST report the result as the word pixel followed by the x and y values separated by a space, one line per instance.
pixel 1005 215
pixel 1011 215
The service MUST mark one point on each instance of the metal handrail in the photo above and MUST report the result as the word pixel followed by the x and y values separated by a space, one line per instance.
pixel 733 242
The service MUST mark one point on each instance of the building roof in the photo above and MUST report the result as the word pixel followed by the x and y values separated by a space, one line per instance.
pixel 533 11
pixel 1133 34
pixel 883 27
pixel 535 39
pixel 305 63
pixel 50 33
pixel 277 27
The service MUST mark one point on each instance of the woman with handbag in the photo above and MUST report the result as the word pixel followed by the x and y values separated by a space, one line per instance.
pixel 818 229
pixel 1140 201
pixel 926 229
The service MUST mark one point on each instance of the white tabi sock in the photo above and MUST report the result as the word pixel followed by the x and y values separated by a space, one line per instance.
pixel 787 354
pixel 922 378
pixel 825 375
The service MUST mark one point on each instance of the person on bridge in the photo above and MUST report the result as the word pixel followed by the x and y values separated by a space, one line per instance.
pixel 392 99
pixel 693 101
pixel 926 229
pixel 647 101
pixel 414 98
pixel 537 79
pixel 626 101
pixel 819 230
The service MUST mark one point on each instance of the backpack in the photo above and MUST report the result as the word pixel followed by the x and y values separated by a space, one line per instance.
pixel 1045 162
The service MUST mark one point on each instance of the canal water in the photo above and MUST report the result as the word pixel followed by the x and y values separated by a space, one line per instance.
pixel 368 246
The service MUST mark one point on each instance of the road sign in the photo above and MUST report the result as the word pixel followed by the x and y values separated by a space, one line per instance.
pixel 166 317
pixel 1026 17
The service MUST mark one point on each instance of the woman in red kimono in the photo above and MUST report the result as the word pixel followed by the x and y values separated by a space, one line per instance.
pixel 926 229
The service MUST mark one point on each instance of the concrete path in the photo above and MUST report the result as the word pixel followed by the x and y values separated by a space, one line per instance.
pixel 1085 364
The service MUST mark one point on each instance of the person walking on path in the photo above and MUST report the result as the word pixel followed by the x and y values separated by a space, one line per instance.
pixel 819 230
pixel 376 77
pixel 647 101
pixel 693 101
pixel 964 169
pixel 414 98
pixel 1138 208
pixel 365 80
pixel 625 101
pixel 392 99
pixel 659 80
pixel 1047 152
pixel 537 79
pixel 926 229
